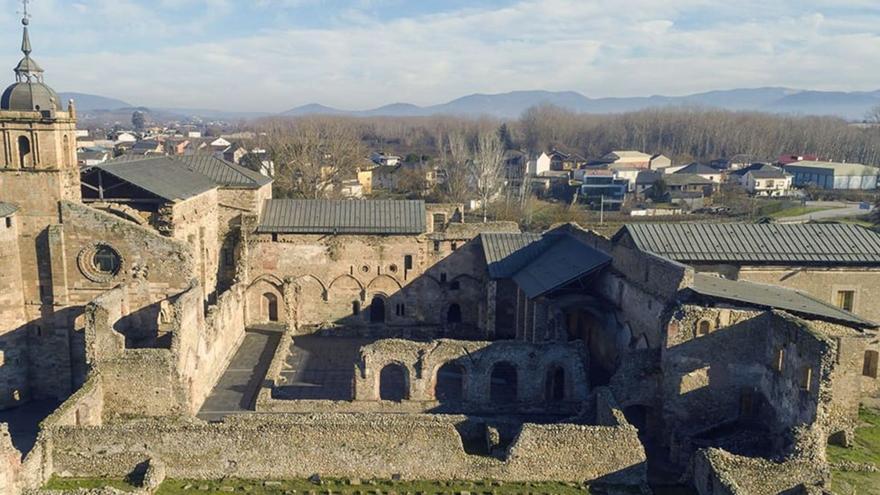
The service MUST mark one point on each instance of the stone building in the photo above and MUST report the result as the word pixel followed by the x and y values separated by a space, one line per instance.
pixel 159 301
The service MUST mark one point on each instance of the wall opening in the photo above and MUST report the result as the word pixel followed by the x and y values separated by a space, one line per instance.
pixel 872 360
pixel 704 328
pixel 270 307
pixel 355 308
pixel 453 315
pixel 846 299
pixel 393 383
pixel 439 222
pixel 377 310
pixel 554 385
pixel 806 379
pixel 25 157
pixel 449 387
pixel 503 384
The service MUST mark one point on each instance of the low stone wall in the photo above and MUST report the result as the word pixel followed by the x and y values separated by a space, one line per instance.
pixel 717 472
pixel 346 445
pixel 84 408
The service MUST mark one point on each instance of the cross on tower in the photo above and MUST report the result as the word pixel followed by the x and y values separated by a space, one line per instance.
pixel 24 12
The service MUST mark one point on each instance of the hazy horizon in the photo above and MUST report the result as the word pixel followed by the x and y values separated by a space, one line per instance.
pixel 274 55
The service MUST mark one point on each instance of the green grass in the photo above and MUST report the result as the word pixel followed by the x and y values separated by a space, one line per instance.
pixel 338 487
pixel 68 484
pixel 866 449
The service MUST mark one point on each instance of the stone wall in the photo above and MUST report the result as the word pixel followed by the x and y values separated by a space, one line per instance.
pixel 232 205
pixel 717 472
pixel 348 445
pixel 195 222
pixel 335 280
pixel 14 387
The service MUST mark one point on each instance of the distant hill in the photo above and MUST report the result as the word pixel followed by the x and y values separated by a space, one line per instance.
pixel 90 103
pixel 852 106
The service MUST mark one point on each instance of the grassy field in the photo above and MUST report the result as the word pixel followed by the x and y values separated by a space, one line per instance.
pixel 865 450
pixel 338 487
pixel 56 483
pixel 798 211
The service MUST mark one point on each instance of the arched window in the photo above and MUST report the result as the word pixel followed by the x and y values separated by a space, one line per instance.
pixel 503 384
pixel 270 306
pixel 554 390
pixel 393 383
pixel 453 315
pixel 25 157
pixel 377 310
pixel 449 387
pixel 704 328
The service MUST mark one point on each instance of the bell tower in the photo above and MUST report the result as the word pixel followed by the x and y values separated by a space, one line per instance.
pixel 37 140
pixel 38 169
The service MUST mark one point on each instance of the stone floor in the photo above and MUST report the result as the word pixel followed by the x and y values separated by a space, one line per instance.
pixel 320 368
pixel 237 388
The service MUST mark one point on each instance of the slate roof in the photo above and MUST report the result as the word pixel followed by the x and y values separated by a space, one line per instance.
pixel 159 176
pixel 222 172
pixel 540 264
pixel 798 244
pixel 768 174
pixel 648 177
pixel 306 216
pixel 7 209
pixel 678 179
pixel 770 296
pixel 697 168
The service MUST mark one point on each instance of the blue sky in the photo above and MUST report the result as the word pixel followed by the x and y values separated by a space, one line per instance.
pixel 272 55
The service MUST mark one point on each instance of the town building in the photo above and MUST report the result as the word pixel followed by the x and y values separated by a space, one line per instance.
pixel 831 175
pixel 768 182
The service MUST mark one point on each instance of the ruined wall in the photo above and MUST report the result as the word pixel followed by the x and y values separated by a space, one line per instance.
pixel 195 222
pixel 14 388
pixel 334 280
pixel 774 370
pixel 232 204
pixel 348 445
pixel 204 344
pixel 717 472
pixel 476 360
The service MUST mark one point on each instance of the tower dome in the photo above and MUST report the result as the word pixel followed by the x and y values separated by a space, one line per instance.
pixel 29 93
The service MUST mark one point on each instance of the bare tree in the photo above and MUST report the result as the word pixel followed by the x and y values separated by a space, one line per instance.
pixel 313 155
pixel 487 169
pixel 457 165
pixel 873 115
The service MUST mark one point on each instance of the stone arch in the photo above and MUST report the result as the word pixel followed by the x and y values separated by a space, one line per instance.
pixel 384 284
pixel 449 383
pixel 704 327
pixel 378 309
pixel 25 152
pixel 310 294
pixel 345 283
pixel 394 382
pixel 454 314
pixel 259 303
pixel 504 383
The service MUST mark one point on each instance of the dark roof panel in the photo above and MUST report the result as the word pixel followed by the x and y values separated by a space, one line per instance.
pixel 830 244
pixel 540 264
pixel 222 172
pixel 771 296
pixel 307 216
pixel 159 176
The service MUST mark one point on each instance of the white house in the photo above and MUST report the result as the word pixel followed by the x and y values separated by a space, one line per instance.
pixel 769 182
pixel 540 165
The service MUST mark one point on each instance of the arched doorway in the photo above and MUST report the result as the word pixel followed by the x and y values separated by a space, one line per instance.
pixel 377 310
pixel 453 314
pixel 503 384
pixel 393 383
pixel 449 387
pixel 554 385
pixel 270 307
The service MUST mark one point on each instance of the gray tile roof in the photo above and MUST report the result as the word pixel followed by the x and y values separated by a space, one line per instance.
pixel 307 216
pixel 539 264
pixel 7 209
pixel 159 176
pixel 222 172
pixel 698 168
pixel 678 179
pixel 768 174
pixel 797 244
pixel 770 296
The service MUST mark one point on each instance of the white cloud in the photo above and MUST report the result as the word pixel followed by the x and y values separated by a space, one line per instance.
pixel 600 48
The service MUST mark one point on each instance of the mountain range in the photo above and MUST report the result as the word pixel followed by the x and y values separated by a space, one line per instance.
pixel 849 105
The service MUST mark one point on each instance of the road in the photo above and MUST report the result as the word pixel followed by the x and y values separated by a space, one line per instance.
pixel 836 209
